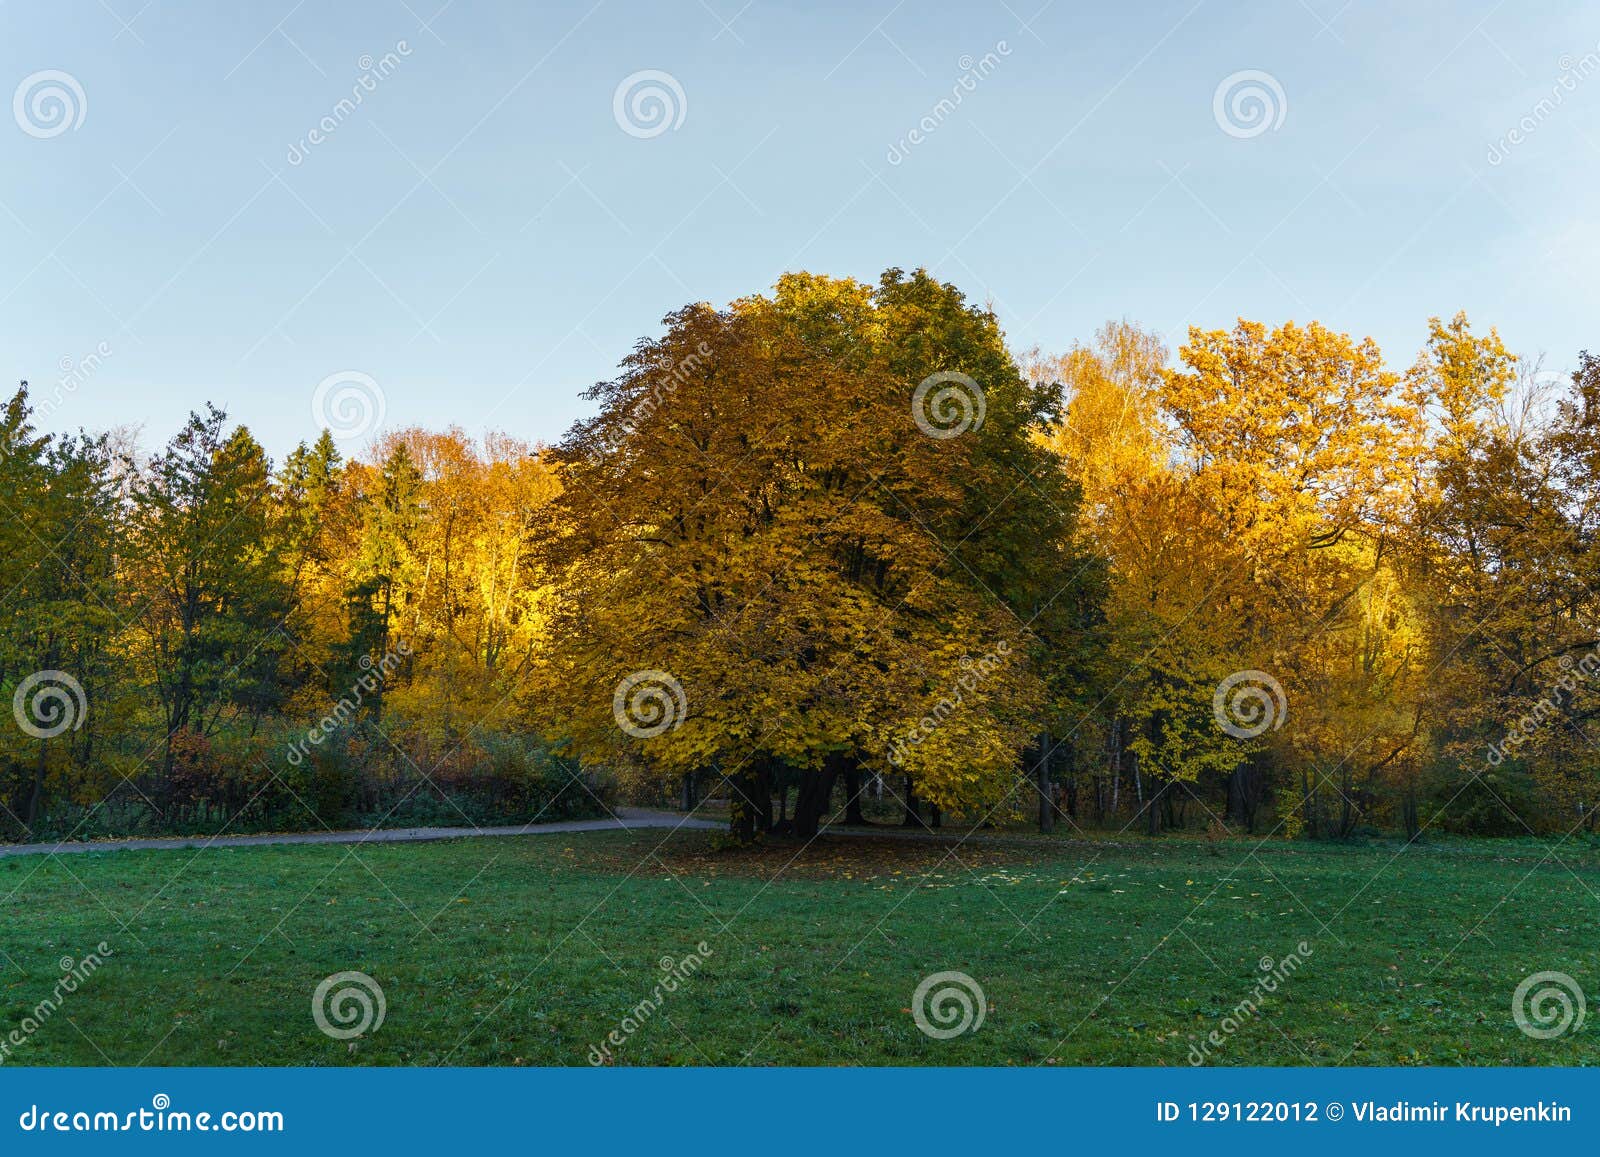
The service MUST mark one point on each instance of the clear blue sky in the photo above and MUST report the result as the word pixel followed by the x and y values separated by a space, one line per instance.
pixel 484 239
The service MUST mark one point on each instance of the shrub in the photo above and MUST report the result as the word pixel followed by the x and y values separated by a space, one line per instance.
pixel 300 778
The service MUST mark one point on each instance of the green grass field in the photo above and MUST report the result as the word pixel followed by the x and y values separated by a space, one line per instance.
pixel 531 950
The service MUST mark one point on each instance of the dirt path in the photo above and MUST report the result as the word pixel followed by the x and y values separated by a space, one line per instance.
pixel 631 819
pixel 627 819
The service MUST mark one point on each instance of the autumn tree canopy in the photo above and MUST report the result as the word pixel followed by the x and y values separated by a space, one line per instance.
pixel 807 517
pixel 830 542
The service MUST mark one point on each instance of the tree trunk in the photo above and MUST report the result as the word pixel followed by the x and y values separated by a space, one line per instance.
pixel 1246 789
pixel 852 793
pixel 812 800
pixel 763 793
pixel 37 796
pixel 1236 811
pixel 750 802
pixel 1116 764
pixel 1047 804
pixel 911 819
pixel 1311 810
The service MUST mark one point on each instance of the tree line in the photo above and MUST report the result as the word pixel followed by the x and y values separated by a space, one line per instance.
pixel 196 640
pixel 827 540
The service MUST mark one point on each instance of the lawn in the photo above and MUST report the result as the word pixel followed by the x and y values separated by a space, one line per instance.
pixel 532 950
